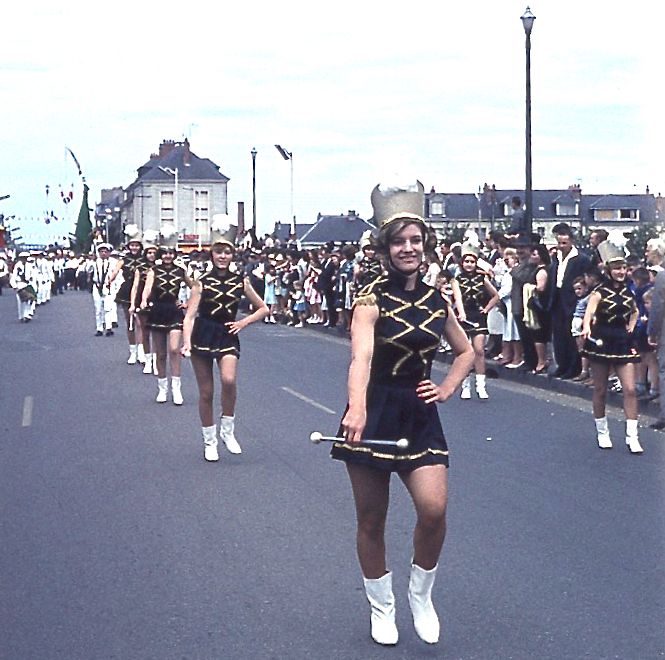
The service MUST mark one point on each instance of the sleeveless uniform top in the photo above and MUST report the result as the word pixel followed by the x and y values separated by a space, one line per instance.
pixel 167 282
pixel 474 298
pixel 220 295
pixel 130 263
pixel 221 292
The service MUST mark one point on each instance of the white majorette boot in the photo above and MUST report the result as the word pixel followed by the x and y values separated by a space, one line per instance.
pixel 163 390
pixel 176 390
pixel 140 354
pixel 382 602
pixel 631 437
pixel 210 443
pixel 133 356
pixel 603 433
pixel 425 618
pixel 147 365
pixel 466 388
pixel 481 391
pixel 226 433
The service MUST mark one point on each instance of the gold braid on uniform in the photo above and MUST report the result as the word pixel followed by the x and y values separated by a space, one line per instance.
pixel 367 295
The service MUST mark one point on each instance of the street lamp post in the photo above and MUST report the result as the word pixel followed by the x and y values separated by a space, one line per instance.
pixel 288 155
pixel 527 21
pixel 253 152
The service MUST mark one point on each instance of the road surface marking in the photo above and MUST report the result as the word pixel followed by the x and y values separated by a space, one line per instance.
pixel 306 399
pixel 28 404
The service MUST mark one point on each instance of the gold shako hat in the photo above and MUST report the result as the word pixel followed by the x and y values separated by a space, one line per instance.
pixel 222 230
pixel 613 250
pixel 398 202
pixel 470 249
pixel 168 236
pixel 133 234
pixel 150 239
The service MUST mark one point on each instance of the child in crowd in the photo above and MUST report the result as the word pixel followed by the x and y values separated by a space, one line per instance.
pixel 582 292
pixel 298 305
pixel 269 296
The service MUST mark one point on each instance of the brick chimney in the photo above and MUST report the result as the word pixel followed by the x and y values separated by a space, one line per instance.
pixel 166 147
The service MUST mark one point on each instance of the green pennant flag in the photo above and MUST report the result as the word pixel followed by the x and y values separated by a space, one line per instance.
pixel 83 231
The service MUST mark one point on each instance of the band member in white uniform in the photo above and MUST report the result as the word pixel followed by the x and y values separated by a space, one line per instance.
pixel 20 280
pixel 101 290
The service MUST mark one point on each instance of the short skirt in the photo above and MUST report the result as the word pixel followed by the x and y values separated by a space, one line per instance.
pixel 395 412
pixel 212 339
pixel 123 297
pixel 611 345
pixel 165 316
pixel 476 324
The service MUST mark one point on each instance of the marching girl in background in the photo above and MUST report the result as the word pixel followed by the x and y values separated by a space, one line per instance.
pixel 609 322
pixel 165 315
pixel 127 264
pixel 397 323
pixel 141 318
pixel 210 335
pixel 474 296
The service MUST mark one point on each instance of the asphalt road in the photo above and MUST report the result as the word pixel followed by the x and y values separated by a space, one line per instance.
pixel 120 541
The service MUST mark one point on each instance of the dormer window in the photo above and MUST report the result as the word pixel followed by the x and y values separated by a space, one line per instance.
pixel 437 208
pixel 567 208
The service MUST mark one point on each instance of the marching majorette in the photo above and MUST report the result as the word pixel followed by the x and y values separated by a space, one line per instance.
pixel 397 324
pixel 150 238
pixel 609 322
pixel 22 280
pixel 474 296
pixel 127 264
pixel 161 297
pixel 101 289
pixel 210 334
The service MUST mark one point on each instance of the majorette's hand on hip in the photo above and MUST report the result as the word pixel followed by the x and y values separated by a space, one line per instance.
pixel 430 392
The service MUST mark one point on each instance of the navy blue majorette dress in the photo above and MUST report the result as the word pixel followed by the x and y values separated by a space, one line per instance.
pixel 221 292
pixel 474 298
pixel 406 338
pixel 610 341
pixel 130 262
pixel 164 314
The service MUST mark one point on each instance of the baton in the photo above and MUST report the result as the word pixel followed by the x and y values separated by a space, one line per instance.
pixel 317 437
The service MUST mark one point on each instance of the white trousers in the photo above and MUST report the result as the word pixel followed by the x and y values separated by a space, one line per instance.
pixel 24 308
pixel 103 312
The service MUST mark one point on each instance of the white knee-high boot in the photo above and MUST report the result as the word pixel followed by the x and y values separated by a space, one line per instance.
pixel 210 443
pixel 382 603
pixel 425 619
pixel 466 388
pixel 481 390
pixel 147 365
pixel 162 390
pixel 603 433
pixel 227 434
pixel 632 439
pixel 176 390
pixel 140 353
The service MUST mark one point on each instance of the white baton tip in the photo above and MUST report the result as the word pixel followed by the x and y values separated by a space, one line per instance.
pixel 402 443
pixel 315 437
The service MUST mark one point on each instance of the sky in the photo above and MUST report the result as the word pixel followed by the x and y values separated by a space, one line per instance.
pixel 358 92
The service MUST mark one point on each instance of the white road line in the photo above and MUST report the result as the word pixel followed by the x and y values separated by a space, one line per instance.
pixel 28 404
pixel 306 399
